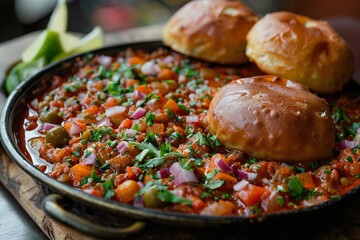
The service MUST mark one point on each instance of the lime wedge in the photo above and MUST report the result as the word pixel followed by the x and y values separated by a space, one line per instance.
pixel 69 41
pixel 59 17
pixel 22 71
pixel 92 40
pixel 47 45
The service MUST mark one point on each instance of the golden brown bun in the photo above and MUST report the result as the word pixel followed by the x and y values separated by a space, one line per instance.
pixel 212 30
pixel 301 49
pixel 272 118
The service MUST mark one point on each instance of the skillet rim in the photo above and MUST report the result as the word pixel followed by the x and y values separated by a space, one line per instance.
pixel 132 212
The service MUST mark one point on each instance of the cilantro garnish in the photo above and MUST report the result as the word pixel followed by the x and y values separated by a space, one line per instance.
pixel 214 184
pixel 167 196
pixel 92 178
pixel 295 186
pixel 109 187
pixel 340 115
pixel 150 119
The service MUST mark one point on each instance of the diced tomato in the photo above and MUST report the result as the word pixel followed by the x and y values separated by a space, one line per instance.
pixel 80 171
pixel 306 179
pixel 126 191
pixel 252 194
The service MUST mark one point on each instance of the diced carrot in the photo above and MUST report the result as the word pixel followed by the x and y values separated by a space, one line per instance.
pixel 126 191
pixel 252 194
pixel 148 178
pixel 307 180
pixel 67 126
pixel 110 102
pixel 92 110
pixel 135 60
pixel 59 154
pixel 143 89
pixel 80 171
pixel 156 128
pixel 165 74
pixel 126 123
pixel 99 85
pixel 230 181
pixel 172 105
pixel 130 82
pixel 130 173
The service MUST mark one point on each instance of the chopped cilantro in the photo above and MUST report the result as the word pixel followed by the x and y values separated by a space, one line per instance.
pixel 109 187
pixel 340 115
pixel 349 159
pixel 150 118
pixel 168 196
pixel 280 200
pixel 295 187
pixel 214 184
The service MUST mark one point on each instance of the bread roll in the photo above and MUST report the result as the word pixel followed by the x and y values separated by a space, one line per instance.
pixel 301 49
pixel 212 30
pixel 272 118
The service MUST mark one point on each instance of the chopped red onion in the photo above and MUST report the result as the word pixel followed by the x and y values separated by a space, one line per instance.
pixel 34 104
pixel 175 168
pixel 90 159
pixel 114 111
pixel 104 60
pixel 104 122
pixel 182 175
pixel 150 68
pixel 45 127
pixel 139 95
pixel 222 165
pixel 345 144
pixel 130 132
pixel 245 175
pixel 240 185
pixel 192 119
pixel 168 59
pixel 122 147
pixel 130 95
pixel 163 173
pixel 74 129
pixel 138 113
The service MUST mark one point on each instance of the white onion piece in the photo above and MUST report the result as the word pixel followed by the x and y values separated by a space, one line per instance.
pixel 130 132
pixel 122 147
pixel 222 165
pixel 150 68
pixel 75 129
pixel 45 127
pixel 138 113
pixel 192 119
pixel 91 158
pixel 163 173
pixel 240 185
pixel 34 104
pixel 130 95
pixel 114 111
pixel 104 60
pixel 104 122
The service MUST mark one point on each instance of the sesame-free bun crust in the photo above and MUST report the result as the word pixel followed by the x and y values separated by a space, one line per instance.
pixel 212 30
pixel 301 49
pixel 272 118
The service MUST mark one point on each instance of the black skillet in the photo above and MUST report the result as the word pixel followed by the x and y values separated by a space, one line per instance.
pixel 112 213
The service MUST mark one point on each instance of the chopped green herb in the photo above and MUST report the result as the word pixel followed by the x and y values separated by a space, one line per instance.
pixel 167 196
pixel 280 200
pixel 214 184
pixel 150 118
pixel 109 187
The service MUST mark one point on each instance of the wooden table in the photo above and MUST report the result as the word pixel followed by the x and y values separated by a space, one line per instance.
pixel 21 216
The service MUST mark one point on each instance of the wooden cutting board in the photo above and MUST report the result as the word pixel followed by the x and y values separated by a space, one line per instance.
pixel 343 224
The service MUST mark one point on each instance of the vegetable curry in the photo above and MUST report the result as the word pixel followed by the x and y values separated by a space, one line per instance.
pixel 132 128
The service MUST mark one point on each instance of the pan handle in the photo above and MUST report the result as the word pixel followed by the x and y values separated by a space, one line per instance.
pixel 55 210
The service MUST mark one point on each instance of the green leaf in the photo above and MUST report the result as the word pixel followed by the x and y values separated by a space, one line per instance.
pixel 295 186
pixel 214 184
pixel 150 119
pixel 167 196
pixel 109 187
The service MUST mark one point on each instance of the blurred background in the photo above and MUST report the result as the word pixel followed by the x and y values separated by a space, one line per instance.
pixel 18 17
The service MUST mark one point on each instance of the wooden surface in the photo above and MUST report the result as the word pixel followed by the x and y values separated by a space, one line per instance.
pixel 343 223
